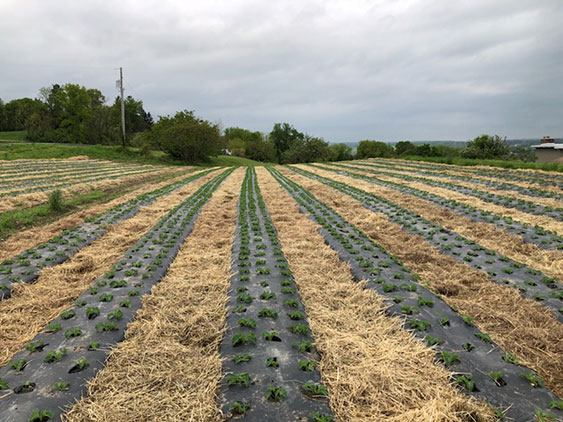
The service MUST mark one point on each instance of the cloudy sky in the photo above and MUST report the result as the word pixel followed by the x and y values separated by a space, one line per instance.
pixel 344 70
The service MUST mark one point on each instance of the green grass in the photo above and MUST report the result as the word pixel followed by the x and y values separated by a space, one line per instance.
pixel 22 219
pixel 493 163
pixel 34 151
pixel 231 161
pixel 18 136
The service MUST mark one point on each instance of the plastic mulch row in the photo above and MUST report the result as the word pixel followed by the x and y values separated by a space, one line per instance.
pixel 27 265
pixel 500 269
pixel 501 200
pixel 270 360
pixel 543 238
pixel 52 371
pixel 501 185
pixel 478 365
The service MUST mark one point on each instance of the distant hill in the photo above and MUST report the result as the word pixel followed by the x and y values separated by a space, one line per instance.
pixel 460 144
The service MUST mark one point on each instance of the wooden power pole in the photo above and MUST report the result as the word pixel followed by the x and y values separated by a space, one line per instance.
pixel 122 106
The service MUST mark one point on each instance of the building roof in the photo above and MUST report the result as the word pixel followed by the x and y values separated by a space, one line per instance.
pixel 550 145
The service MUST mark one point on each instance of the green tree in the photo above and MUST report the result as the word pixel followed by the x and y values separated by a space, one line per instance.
pixel 308 150
pixel 487 147
pixel 136 118
pixel 368 149
pixel 186 137
pixel 17 112
pixel 405 148
pixel 340 152
pixel 283 135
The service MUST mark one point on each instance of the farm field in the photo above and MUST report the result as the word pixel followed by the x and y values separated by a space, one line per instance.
pixel 367 290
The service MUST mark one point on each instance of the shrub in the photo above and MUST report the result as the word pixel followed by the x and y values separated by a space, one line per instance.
pixel 56 203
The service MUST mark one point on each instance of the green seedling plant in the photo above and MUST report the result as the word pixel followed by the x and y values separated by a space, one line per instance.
pixel 73 332
pixel 299 329
pixel 54 327
pixel 534 380
pixel 247 322
pixel 36 346
pixel 242 358
pixel 304 346
pixel 497 377
pixel 239 379
pixel 117 315
pixel 80 365
pixel 271 336
pixel 40 416
pixel 54 356
pixel 267 313
pixel 315 389
pixel 240 339
pixel 239 408
pixel 277 394
pixel 61 386
pixel 467 382
pixel 449 358
pixel 510 358
pixel 484 337
pixel 307 365
pixel 433 340
pixel 272 362
pixel 18 365
pixel 556 404
pixel 318 417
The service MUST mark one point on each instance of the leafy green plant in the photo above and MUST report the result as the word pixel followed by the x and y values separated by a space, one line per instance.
pixel 485 337
pixel 117 315
pixel 244 298
pixel 267 313
pixel 35 346
pixel 291 302
pixel 18 365
pixel 54 356
pixel 68 314
pixel 61 386
pixel 315 389
pixel 541 416
pixel 497 377
pixel 556 404
pixel 106 297
pixel 94 345
pixel 425 302
pixel 55 201
pixel 534 380
pixel 433 340
pixel 40 415
pixel 239 407
pixel 419 324
pixel 467 382
pixel 275 393
pixel 304 346
pixel 510 358
pixel 271 336
pixel 54 327
pixel 242 339
pixel 79 365
pixel 239 379
pixel 247 322
pixel 73 332
pixel 267 295
pixel 307 365
pixel 318 417
pixel 468 347
pixel 3 384
pixel 272 362
pixel 242 358
pixel 106 326
pixel 92 312
pixel 449 358
pixel 299 329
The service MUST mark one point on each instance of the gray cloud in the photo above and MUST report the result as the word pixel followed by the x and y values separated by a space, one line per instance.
pixel 340 69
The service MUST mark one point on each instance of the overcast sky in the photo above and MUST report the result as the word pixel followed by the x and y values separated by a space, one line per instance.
pixel 344 70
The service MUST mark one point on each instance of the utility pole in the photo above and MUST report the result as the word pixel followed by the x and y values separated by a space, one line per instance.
pixel 122 106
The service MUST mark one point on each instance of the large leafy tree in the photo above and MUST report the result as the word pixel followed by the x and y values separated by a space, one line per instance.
pixel 487 147
pixel 187 137
pixel 368 149
pixel 283 135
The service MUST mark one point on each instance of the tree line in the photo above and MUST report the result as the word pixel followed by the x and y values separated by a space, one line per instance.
pixel 71 113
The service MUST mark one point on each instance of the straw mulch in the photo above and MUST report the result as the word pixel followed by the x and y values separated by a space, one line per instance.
pixel 37 198
pixel 169 366
pixel 374 370
pixel 33 306
pixel 520 326
pixel 547 223
pixel 27 239
pixel 549 262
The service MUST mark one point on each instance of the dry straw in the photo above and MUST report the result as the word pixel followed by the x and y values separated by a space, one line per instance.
pixel 37 198
pixel 547 223
pixel 27 239
pixel 169 366
pixel 550 262
pixel 33 306
pixel 519 325
pixel 547 202
pixel 374 370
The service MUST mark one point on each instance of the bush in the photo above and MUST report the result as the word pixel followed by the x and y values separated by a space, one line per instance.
pixel 487 147
pixel 187 138
pixel 56 203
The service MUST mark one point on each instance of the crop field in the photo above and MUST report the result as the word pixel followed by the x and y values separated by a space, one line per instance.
pixel 367 290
